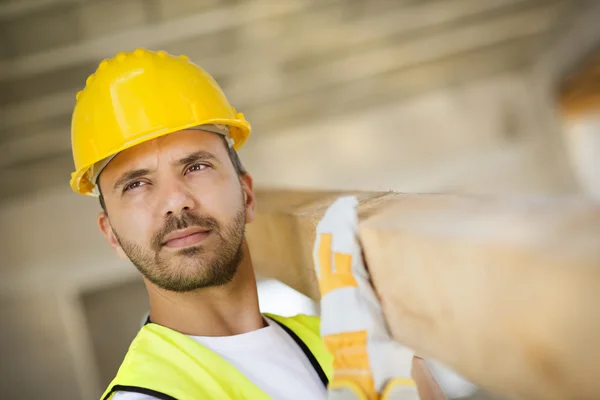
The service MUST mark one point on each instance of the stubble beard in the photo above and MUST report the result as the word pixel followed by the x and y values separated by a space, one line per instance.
pixel 191 268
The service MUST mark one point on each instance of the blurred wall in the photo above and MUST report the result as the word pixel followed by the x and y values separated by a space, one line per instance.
pixel 493 133
pixel 486 136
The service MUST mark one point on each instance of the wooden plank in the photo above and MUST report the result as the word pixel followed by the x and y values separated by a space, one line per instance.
pixel 504 291
pixel 282 238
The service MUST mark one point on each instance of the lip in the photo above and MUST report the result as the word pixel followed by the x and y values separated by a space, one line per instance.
pixel 186 237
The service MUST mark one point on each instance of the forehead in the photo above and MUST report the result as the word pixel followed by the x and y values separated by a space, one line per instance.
pixel 171 145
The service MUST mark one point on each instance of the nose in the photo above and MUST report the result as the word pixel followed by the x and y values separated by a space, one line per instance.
pixel 177 199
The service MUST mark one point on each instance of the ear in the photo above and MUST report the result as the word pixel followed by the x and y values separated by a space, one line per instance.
pixel 107 231
pixel 249 197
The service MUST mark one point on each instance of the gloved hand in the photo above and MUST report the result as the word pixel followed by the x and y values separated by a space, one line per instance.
pixel 368 363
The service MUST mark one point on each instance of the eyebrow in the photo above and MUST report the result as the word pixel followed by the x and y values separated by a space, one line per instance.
pixel 200 155
pixel 128 176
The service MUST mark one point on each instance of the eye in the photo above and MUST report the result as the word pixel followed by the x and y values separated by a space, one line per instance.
pixel 132 185
pixel 196 167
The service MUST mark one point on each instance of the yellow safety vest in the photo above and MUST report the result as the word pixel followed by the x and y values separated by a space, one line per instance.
pixel 169 365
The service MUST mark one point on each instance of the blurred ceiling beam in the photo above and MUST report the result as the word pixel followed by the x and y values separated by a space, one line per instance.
pixel 425 48
pixel 24 154
pixel 276 71
pixel 273 115
pixel 356 37
pixel 33 177
pixel 412 18
pixel 16 8
pixel 39 109
pixel 395 85
pixel 35 146
pixel 151 35
pixel 428 46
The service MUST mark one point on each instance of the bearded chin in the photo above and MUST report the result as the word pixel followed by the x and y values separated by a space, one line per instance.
pixel 196 267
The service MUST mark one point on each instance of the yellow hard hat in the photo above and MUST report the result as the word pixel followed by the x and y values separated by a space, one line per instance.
pixel 139 96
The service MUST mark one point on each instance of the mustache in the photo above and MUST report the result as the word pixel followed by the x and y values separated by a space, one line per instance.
pixel 186 220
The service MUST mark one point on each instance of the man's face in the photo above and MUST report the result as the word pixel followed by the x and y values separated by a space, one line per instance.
pixel 177 209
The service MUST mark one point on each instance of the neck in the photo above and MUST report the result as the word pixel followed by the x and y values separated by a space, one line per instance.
pixel 225 310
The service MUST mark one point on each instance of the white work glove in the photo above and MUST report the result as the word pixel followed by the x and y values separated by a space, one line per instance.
pixel 368 363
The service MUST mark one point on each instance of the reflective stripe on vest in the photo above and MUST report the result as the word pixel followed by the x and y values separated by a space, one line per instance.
pixel 169 365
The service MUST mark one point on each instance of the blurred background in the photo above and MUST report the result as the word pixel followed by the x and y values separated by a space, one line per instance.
pixel 469 96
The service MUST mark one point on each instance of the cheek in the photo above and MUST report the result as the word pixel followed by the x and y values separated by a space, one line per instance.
pixel 221 198
pixel 133 225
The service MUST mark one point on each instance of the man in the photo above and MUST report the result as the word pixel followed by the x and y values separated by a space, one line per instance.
pixel 155 138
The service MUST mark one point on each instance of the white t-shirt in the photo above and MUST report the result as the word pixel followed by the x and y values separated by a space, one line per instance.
pixel 269 358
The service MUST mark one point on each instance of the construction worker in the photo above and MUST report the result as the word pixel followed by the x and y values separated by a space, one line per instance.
pixel 156 140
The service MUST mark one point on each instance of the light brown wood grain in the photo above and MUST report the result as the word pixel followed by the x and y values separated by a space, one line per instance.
pixel 504 291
